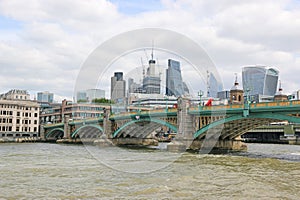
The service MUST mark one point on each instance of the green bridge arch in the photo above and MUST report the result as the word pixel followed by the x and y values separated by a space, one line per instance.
pixel 89 125
pixel 252 116
pixel 162 122
pixel 53 130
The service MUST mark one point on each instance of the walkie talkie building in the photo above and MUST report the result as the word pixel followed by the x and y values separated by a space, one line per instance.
pixel 260 80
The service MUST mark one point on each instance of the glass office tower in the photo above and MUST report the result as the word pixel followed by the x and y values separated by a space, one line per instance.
pixel 260 80
pixel 174 84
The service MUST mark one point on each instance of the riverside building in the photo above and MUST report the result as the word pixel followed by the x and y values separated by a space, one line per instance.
pixel 19 116
pixel 54 113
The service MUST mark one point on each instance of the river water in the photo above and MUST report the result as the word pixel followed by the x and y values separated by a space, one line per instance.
pixel 58 171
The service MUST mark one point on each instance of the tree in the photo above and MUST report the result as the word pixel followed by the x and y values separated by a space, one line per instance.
pixel 102 100
pixel 82 101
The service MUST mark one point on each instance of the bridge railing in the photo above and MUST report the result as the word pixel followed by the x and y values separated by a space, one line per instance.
pixel 218 107
pixel 145 112
pixel 275 104
pixel 252 105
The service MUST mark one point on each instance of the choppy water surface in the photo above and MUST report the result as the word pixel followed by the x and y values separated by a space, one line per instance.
pixel 55 171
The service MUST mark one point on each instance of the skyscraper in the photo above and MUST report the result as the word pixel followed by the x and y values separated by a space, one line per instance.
pixel 215 86
pixel 94 94
pixel 118 87
pixel 260 80
pixel 174 84
pixel 151 82
pixel 45 97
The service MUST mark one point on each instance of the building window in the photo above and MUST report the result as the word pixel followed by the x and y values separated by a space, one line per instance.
pixel 34 129
pixel 35 121
pixel 17 129
pixel 10 120
pixel 18 114
pixel 35 114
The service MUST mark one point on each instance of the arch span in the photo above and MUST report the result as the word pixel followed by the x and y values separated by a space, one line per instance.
pixel 251 118
pixel 75 133
pixel 158 121
pixel 55 133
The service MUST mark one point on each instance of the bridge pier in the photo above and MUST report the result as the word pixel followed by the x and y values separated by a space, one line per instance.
pixel 135 141
pixel 186 130
pixel 107 124
pixel 219 146
pixel 42 133
pixel 67 128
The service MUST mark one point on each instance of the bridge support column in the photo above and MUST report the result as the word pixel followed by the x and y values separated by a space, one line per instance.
pixel 67 128
pixel 42 133
pixel 107 124
pixel 185 127
pixel 289 135
pixel 220 146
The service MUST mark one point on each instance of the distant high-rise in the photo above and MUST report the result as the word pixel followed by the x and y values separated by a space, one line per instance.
pixel 134 87
pixel 151 82
pixel 174 84
pixel 94 94
pixel 90 94
pixel 81 96
pixel 45 97
pixel 215 86
pixel 118 87
pixel 260 80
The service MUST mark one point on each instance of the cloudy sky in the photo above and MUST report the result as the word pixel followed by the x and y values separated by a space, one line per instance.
pixel 44 43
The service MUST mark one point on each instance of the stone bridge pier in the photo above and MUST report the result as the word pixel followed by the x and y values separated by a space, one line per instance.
pixel 67 127
pixel 212 141
pixel 185 126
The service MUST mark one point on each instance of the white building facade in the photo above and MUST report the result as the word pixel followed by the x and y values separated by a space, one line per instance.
pixel 19 116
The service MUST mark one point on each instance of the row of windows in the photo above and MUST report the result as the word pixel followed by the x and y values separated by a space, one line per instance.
pixel 5 120
pixel 18 129
pixel 18 107
pixel 24 114
pixel 18 135
pixel 87 115
pixel 84 108
pixel 4 112
pixel 10 120
pixel 21 97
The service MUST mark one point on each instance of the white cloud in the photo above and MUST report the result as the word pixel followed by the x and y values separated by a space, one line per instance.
pixel 55 37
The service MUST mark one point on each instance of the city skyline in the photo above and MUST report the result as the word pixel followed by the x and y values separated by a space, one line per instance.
pixel 43 49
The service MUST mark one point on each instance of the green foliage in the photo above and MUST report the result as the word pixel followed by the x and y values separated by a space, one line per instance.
pixel 82 101
pixel 102 100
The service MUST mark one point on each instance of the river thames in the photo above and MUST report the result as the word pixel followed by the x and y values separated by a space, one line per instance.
pixel 57 171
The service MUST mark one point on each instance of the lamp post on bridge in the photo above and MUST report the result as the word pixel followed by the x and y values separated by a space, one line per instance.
pixel 166 99
pixel 139 108
pixel 246 103
pixel 200 94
